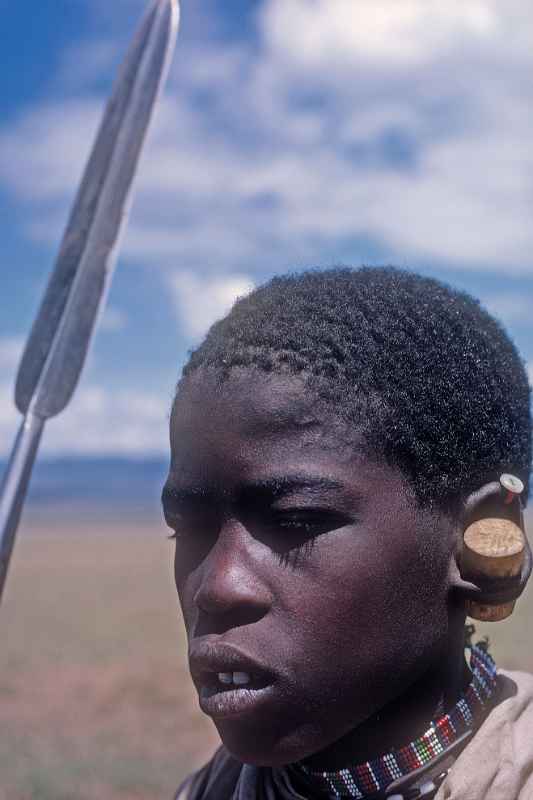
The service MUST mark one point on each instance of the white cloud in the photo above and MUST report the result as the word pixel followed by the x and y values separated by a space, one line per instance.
pixel 42 155
pixel 99 421
pixel 11 348
pixel 103 421
pixel 8 413
pixel 200 301
pixel 293 151
pixel 406 32
pixel 530 372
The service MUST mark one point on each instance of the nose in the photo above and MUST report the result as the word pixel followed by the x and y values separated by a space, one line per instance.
pixel 232 591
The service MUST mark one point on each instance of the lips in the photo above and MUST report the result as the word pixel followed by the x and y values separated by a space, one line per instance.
pixel 229 681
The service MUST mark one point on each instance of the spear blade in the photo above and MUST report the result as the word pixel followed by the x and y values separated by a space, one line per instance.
pixel 58 343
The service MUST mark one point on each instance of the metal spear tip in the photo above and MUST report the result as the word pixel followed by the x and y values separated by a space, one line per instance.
pixel 62 332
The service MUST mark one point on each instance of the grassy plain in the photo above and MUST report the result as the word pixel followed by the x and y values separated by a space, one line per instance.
pixel 95 699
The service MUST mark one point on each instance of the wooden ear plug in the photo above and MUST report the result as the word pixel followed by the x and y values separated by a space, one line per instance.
pixel 494 548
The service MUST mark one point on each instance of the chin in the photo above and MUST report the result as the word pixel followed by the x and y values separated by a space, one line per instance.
pixel 264 748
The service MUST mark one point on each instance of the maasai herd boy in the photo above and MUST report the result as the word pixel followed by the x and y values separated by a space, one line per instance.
pixel 332 439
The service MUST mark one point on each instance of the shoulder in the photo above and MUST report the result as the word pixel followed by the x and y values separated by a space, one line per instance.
pixel 214 781
pixel 516 704
pixel 498 762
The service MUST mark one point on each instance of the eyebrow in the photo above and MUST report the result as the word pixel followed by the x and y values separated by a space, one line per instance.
pixel 284 484
pixel 275 486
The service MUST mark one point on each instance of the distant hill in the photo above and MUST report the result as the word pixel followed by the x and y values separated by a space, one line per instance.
pixel 102 484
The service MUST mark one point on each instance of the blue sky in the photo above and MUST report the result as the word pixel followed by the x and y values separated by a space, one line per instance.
pixel 292 133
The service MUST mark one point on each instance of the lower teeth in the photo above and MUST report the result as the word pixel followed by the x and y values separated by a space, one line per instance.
pixel 210 691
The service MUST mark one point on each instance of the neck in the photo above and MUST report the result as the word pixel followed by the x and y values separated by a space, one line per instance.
pixel 405 718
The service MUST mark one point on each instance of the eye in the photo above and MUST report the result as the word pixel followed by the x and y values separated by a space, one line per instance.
pixel 291 533
pixel 195 533
pixel 312 521
pixel 295 533
pixel 192 524
pixel 297 524
pixel 175 525
pixel 176 522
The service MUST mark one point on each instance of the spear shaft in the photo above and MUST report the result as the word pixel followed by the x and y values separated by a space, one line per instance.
pixel 15 485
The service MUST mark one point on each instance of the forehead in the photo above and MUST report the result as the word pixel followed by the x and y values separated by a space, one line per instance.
pixel 257 422
pixel 254 429
pixel 248 400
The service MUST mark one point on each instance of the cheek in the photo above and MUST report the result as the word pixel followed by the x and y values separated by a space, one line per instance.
pixel 369 599
pixel 361 629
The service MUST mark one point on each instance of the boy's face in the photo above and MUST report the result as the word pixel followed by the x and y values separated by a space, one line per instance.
pixel 306 572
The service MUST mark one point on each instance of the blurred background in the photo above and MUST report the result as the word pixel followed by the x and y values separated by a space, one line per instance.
pixel 293 133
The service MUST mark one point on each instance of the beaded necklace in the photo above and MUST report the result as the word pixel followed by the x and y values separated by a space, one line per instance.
pixel 367 780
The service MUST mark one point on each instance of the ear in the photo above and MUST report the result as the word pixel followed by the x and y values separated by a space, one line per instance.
pixel 493 559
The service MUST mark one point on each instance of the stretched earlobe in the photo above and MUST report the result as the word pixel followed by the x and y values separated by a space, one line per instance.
pixel 494 559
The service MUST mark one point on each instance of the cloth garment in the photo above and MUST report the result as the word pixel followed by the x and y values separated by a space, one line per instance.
pixel 497 764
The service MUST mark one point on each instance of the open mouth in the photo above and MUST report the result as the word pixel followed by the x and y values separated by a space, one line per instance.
pixel 219 682
pixel 228 681
pixel 220 698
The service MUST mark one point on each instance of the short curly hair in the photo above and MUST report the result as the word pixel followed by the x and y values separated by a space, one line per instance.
pixel 430 378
